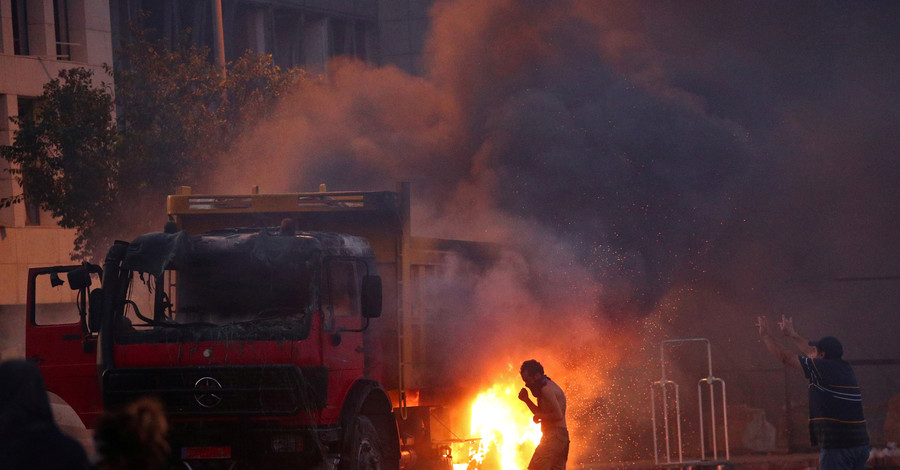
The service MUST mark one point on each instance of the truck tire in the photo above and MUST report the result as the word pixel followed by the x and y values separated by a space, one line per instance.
pixel 365 450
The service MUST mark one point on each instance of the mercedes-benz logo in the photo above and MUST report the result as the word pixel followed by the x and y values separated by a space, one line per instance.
pixel 208 396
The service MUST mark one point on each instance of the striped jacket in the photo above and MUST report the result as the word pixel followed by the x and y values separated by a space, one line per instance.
pixel 836 416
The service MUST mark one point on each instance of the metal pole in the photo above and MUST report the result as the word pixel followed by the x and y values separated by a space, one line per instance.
pixel 653 413
pixel 712 400
pixel 678 421
pixel 702 427
pixel 710 381
pixel 404 286
pixel 218 36
pixel 664 383
pixel 725 421
pixel 665 399
pixel 666 422
pixel 712 414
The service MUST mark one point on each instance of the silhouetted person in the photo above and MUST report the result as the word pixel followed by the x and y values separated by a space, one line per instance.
pixel 836 420
pixel 133 438
pixel 29 437
pixel 550 411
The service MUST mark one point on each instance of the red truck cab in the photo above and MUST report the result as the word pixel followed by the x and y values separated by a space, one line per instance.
pixel 257 321
pixel 254 338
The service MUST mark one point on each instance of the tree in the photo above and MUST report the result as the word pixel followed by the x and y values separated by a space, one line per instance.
pixel 175 114
pixel 62 156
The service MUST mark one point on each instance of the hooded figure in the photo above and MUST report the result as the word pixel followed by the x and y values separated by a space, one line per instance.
pixel 29 437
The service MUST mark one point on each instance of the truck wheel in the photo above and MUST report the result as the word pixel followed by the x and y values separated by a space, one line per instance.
pixel 365 452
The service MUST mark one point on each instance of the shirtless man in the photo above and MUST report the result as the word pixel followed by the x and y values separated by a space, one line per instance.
pixel 550 411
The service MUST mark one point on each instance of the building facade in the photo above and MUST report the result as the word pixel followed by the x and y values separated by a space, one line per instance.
pixel 38 38
pixel 297 33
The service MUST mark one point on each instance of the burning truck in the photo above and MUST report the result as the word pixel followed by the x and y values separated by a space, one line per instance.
pixel 276 329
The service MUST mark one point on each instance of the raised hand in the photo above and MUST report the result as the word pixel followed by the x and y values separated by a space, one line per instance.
pixel 523 395
pixel 763 325
pixel 787 326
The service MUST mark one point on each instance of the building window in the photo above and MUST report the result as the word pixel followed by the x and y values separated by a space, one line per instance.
pixel 32 213
pixel 20 27
pixel 26 108
pixel 347 38
pixel 194 20
pixel 61 24
pixel 359 41
pixel 287 39
pixel 250 30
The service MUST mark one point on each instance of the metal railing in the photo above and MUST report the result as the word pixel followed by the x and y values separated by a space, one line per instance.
pixel 664 384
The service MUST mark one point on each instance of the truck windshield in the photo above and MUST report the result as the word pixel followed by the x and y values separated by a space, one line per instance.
pixel 236 283
pixel 219 293
pixel 207 294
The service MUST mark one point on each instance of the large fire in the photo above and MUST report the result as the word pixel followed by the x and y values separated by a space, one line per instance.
pixel 505 429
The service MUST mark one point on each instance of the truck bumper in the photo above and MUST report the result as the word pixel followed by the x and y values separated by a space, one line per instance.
pixel 246 441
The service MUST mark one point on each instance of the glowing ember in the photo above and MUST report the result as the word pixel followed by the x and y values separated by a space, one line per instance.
pixel 504 425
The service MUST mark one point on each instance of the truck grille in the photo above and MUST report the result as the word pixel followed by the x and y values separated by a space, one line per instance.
pixel 221 391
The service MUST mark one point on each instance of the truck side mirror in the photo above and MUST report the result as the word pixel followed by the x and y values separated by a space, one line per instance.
pixel 371 296
pixel 95 310
pixel 80 277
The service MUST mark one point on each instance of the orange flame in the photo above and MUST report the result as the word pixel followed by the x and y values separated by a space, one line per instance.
pixel 504 425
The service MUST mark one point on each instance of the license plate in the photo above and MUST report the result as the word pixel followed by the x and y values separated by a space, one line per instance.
pixel 200 453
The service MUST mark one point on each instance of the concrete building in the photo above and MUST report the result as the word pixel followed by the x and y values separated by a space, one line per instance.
pixel 38 38
pixel 303 33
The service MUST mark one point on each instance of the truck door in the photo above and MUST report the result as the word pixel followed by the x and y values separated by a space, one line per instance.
pixel 56 338
pixel 343 344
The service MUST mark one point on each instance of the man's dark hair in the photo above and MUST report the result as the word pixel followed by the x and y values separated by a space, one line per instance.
pixel 532 366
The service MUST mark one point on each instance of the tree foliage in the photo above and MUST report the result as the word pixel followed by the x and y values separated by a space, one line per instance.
pixel 175 112
pixel 62 156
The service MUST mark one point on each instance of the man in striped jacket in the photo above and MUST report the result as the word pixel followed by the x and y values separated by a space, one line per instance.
pixel 836 420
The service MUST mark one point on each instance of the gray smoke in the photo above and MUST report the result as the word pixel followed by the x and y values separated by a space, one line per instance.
pixel 648 170
pixel 522 117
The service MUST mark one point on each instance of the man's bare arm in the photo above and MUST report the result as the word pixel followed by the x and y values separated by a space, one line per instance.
pixel 802 344
pixel 523 395
pixel 780 351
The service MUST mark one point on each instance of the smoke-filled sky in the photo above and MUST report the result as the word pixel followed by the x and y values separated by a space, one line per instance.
pixel 651 169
